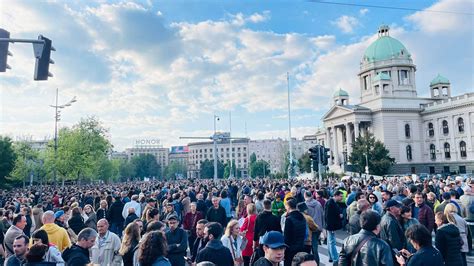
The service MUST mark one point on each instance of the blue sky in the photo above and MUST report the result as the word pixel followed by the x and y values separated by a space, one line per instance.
pixel 160 69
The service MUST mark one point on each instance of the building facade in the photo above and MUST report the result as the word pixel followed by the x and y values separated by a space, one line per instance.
pixel 424 135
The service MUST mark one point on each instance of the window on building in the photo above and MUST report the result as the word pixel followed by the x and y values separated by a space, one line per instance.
pixel 462 149
pixel 445 91
pixel 435 92
pixel 386 88
pixel 445 127
pixel 377 89
pixel 403 77
pixel 366 82
pixel 409 155
pixel 432 170
pixel 446 170
pixel 433 152
pixel 407 130
pixel 447 151
pixel 430 129
pixel 462 169
pixel 461 125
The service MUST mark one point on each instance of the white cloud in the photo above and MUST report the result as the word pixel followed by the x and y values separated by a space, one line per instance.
pixel 346 23
pixel 434 23
pixel 363 11
pixel 257 17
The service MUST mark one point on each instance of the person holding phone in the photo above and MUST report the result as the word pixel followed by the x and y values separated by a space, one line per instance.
pixel 426 254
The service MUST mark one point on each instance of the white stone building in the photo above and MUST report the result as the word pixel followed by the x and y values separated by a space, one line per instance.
pixel 424 135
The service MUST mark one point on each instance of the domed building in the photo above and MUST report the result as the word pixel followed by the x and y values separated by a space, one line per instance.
pixel 424 135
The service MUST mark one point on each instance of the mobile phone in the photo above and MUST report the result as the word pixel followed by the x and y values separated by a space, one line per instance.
pixel 188 260
pixel 396 252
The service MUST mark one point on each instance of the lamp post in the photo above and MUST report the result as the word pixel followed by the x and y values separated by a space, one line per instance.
pixel 214 139
pixel 57 118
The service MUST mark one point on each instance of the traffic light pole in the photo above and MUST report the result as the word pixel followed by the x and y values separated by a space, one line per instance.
pixel 319 165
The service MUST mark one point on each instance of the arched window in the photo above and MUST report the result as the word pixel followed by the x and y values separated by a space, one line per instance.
pixel 445 127
pixel 435 92
pixel 430 129
pixel 447 151
pixel 462 149
pixel 433 152
pixel 409 155
pixel 461 125
pixel 407 130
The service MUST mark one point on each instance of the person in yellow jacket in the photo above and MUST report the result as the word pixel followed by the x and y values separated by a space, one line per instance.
pixel 290 194
pixel 56 234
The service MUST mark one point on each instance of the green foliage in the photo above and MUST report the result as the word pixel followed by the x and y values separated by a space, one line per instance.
pixel 109 170
pixel 7 158
pixel 145 165
pixel 175 169
pixel 82 150
pixel 378 156
pixel 126 170
pixel 28 162
pixel 304 163
pixel 207 169
pixel 253 158
pixel 259 168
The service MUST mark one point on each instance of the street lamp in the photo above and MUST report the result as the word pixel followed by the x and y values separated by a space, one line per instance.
pixel 57 118
pixel 214 139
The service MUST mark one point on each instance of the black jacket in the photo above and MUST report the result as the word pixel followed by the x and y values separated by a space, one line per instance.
pixel 130 218
pixel 217 215
pixel 266 222
pixel 262 262
pixel 295 234
pixel 373 253
pixel 76 223
pixel 76 256
pixel 448 242
pixel 354 224
pixel 196 248
pixel 215 252
pixel 114 214
pixel 392 232
pixel 332 218
pixel 426 256
pixel 177 245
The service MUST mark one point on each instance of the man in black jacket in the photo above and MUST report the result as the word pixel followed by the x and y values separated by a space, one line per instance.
pixel 78 253
pixel 333 221
pixel 216 213
pixel 295 230
pixel 391 230
pixel 365 248
pixel 114 216
pixel 265 222
pixel 177 242
pixel 214 251
pixel 200 241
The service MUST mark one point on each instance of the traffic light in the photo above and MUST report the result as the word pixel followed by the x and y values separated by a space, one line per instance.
pixel 314 154
pixel 4 53
pixel 325 153
pixel 43 60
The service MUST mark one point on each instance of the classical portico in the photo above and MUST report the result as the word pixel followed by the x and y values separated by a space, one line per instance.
pixel 343 124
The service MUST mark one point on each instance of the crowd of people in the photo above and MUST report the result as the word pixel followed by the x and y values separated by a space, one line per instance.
pixel 239 222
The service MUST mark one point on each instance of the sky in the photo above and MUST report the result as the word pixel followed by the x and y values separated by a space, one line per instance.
pixel 162 69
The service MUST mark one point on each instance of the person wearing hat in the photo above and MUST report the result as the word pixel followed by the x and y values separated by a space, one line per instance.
pixel 177 242
pixel 274 248
pixel 391 229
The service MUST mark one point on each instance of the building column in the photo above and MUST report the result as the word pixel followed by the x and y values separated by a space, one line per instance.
pixel 356 130
pixel 329 143
pixel 335 147
pixel 349 139
pixel 454 146
pixel 467 131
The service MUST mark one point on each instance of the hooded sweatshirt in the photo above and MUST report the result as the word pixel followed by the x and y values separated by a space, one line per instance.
pixel 57 235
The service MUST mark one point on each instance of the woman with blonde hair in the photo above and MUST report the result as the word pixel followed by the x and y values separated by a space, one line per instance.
pixel 130 241
pixel 248 228
pixel 90 218
pixel 101 212
pixel 451 213
pixel 233 240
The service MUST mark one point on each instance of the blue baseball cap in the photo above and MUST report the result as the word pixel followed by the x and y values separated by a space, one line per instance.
pixel 58 214
pixel 274 239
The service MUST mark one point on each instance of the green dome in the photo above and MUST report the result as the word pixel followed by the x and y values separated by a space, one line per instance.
pixel 340 92
pixel 385 48
pixel 439 80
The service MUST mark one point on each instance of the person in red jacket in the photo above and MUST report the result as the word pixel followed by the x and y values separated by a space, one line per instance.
pixel 249 228
pixel 190 221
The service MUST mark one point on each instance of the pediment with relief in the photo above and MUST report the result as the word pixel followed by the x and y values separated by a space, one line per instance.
pixel 337 111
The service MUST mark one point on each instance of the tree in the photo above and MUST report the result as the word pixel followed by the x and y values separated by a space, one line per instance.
pixel 81 152
pixel 207 169
pixel 126 170
pixel 175 169
pixel 260 168
pixel 304 162
pixel 108 170
pixel 378 157
pixel 27 163
pixel 145 165
pixel 7 158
